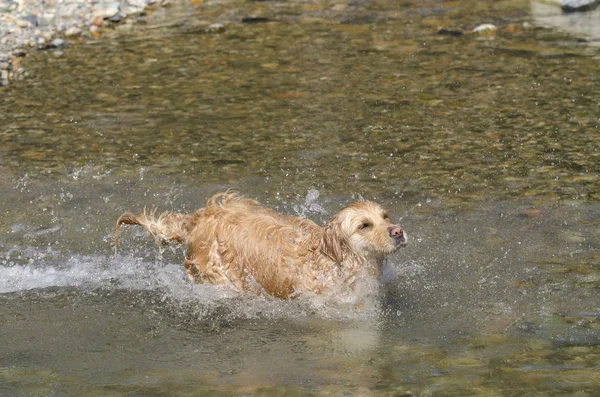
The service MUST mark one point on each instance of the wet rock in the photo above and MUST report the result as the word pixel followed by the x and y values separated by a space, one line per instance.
pixel 133 10
pixel 72 31
pixel 57 43
pixel 255 19
pixel 138 3
pixel 106 10
pixel 449 32
pixel 579 5
pixel 486 30
pixel 485 27
pixel 97 21
pixel 215 28
pixel 118 17
pixel 94 30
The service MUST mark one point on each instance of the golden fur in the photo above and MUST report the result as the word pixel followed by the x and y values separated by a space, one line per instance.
pixel 234 241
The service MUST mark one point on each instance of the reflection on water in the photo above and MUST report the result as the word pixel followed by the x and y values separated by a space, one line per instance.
pixel 487 148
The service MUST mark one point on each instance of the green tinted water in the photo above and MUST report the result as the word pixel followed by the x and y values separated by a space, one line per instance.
pixel 486 148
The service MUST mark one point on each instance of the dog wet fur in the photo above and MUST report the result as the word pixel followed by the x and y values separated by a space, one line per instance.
pixel 235 242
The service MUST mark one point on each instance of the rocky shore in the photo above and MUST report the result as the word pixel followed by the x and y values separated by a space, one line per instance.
pixel 27 25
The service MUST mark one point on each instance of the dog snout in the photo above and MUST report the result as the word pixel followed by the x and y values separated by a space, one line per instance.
pixel 396 232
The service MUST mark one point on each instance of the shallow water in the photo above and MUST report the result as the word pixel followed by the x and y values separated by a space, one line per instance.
pixel 486 150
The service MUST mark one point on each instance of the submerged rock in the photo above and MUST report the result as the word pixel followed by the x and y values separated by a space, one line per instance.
pixel 449 32
pixel 486 30
pixel 485 27
pixel 252 19
pixel 216 28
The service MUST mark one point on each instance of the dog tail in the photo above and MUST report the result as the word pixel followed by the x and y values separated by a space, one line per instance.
pixel 166 229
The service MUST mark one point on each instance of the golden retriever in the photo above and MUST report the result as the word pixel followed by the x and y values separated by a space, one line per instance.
pixel 234 241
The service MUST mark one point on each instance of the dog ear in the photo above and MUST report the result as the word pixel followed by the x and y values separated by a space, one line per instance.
pixel 331 242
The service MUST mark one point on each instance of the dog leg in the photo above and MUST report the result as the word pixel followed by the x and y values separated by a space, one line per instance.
pixel 208 268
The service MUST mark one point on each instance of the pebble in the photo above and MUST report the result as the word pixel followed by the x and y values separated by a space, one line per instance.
pixel 58 42
pixel 106 10
pixel 118 17
pixel 485 27
pixel 216 28
pixel 97 21
pixel 486 30
pixel 449 32
pixel 72 31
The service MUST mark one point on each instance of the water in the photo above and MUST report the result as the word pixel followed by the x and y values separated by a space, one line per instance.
pixel 486 149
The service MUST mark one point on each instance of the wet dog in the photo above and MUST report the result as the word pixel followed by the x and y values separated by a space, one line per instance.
pixel 236 242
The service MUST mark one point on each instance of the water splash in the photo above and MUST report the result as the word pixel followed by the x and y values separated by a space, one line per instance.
pixel 310 205
pixel 412 208
pixel 26 270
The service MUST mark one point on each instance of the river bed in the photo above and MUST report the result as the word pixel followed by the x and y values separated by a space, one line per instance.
pixel 485 148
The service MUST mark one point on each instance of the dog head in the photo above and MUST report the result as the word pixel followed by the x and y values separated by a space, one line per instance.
pixel 361 228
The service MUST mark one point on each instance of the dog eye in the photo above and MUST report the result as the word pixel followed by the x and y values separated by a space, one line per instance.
pixel 364 225
pixel 386 216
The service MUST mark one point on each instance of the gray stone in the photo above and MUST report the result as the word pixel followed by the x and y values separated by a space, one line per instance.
pixel 485 27
pixel 72 31
pixel 27 21
pixel 57 42
pixel 106 10
pixel 578 5
pixel 134 10
pixel 137 3
pixel 118 17
pixel 216 28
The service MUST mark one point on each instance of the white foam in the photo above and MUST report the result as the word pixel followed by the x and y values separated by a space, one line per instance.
pixel 43 271
pixel 167 281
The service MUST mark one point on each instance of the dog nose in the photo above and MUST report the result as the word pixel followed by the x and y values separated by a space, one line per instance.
pixel 396 232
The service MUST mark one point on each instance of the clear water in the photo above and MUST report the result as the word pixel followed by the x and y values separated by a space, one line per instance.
pixel 486 150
